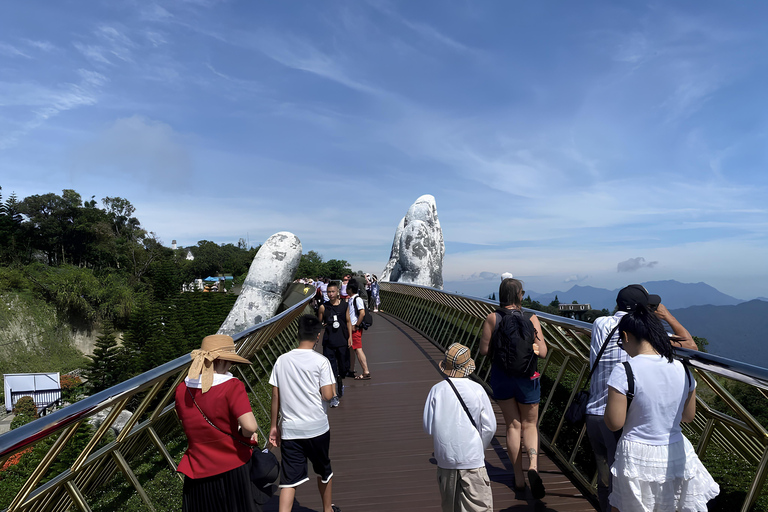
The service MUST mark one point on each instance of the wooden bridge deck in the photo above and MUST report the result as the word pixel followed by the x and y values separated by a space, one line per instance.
pixel 382 460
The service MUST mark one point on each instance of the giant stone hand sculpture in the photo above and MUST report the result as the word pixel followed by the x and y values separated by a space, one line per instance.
pixel 418 248
pixel 270 274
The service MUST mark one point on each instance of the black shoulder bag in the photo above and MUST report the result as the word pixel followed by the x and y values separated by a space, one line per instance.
pixel 461 401
pixel 577 411
pixel 264 466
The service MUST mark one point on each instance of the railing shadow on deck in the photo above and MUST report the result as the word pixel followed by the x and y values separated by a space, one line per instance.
pixel 447 318
pixel 149 399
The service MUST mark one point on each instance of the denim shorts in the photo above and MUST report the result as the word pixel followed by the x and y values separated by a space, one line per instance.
pixel 523 389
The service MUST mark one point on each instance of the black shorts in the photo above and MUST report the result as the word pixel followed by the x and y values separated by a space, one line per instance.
pixel 294 454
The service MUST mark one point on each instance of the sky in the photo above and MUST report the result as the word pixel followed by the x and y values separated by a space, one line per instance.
pixel 590 143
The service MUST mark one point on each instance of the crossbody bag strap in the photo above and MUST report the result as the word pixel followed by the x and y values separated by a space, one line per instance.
pixel 212 424
pixel 630 383
pixel 461 400
pixel 599 355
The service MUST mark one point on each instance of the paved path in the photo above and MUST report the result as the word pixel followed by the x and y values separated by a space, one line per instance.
pixel 382 459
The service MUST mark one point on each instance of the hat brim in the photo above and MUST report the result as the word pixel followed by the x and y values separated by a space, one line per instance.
pixel 233 358
pixel 465 371
pixel 654 300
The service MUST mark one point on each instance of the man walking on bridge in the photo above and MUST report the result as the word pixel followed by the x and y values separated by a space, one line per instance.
pixel 302 384
pixel 357 313
pixel 337 340
pixel 459 417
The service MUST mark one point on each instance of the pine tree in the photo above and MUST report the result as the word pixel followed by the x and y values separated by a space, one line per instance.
pixel 102 370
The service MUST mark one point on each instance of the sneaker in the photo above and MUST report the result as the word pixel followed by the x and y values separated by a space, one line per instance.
pixel 335 401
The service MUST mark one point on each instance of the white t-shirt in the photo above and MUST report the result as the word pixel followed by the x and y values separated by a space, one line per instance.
pixel 661 389
pixel 324 291
pixel 360 306
pixel 457 443
pixel 299 375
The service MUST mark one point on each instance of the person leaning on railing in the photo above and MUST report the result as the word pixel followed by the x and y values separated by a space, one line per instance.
pixel 212 404
pixel 604 332
pixel 655 467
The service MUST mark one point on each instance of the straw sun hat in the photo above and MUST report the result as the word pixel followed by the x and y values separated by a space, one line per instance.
pixel 216 346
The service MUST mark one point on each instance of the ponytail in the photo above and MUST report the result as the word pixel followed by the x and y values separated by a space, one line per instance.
pixel 643 324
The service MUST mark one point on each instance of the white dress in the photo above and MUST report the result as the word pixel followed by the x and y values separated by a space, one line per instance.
pixel 656 467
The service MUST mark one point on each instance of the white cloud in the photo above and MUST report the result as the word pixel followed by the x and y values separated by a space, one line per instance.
pixel 46 103
pixel 93 53
pixel 11 51
pixel 137 148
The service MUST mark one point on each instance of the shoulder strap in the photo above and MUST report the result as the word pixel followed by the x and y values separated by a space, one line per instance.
pixel 599 355
pixel 630 383
pixel 461 400
pixel 249 445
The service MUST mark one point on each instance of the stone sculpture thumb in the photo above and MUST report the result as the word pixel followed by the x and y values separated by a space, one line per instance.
pixel 418 248
pixel 270 274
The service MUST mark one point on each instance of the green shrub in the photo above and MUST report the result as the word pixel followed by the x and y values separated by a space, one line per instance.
pixel 21 419
pixel 26 406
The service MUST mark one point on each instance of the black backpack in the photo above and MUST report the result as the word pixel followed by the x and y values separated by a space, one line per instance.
pixel 367 319
pixel 512 344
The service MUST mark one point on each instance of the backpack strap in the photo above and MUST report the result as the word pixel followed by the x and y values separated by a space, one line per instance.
pixel 599 355
pixel 630 383
pixel 461 400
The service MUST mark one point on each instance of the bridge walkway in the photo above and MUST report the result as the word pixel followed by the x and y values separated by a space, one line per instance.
pixel 382 459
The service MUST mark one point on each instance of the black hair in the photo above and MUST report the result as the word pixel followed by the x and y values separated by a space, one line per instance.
pixel 643 324
pixel 335 284
pixel 309 328
pixel 509 292
pixel 352 287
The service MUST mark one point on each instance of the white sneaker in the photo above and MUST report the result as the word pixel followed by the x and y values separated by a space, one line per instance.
pixel 335 401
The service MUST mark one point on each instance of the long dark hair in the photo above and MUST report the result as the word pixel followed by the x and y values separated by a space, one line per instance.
pixel 643 324
pixel 509 292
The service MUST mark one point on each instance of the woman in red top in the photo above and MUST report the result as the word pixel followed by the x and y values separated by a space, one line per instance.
pixel 216 466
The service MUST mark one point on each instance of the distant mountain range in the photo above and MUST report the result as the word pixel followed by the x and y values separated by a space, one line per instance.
pixel 736 332
pixel 674 295
pixel 734 328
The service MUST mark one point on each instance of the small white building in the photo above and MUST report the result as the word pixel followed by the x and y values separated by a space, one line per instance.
pixel 44 388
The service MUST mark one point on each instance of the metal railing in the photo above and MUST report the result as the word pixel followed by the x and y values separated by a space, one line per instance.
pixel 447 318
pixel 149 398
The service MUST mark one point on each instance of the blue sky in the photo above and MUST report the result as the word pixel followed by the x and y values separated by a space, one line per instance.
pixel 562 141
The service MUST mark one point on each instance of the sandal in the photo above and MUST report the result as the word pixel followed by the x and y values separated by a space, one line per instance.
pixel 537 486
pixel 363 376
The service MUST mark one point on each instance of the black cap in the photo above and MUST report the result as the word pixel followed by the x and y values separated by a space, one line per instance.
pixel 633 295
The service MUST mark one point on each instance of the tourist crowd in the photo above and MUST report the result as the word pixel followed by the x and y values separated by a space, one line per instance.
pixel 638 396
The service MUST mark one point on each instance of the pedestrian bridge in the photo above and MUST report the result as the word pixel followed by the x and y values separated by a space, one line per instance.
pixel 381 458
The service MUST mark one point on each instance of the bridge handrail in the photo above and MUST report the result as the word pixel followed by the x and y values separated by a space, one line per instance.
pixel 67 419
pixel 445 317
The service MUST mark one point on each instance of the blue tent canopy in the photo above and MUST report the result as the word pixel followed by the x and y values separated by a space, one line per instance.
pixel 210 279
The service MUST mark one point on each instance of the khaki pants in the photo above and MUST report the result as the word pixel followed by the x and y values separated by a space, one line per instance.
pixel 465 490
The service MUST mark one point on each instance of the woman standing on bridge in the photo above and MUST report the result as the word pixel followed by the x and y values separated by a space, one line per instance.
pixel 211 404
pixel 656 468
pixel 517 390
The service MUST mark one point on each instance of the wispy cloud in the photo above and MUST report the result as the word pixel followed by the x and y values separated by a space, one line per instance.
pixel 93 53
pixel 48 103
pixel 40 45
pixel 11 51
pixel 634 264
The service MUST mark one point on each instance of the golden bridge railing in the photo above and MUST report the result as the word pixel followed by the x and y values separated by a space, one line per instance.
pixel 447 318
pixel 150 399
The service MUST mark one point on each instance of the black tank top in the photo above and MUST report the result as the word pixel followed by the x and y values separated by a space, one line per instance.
pixel 335 337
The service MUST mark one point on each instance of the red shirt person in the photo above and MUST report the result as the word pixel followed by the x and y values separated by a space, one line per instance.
pixel 214 461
